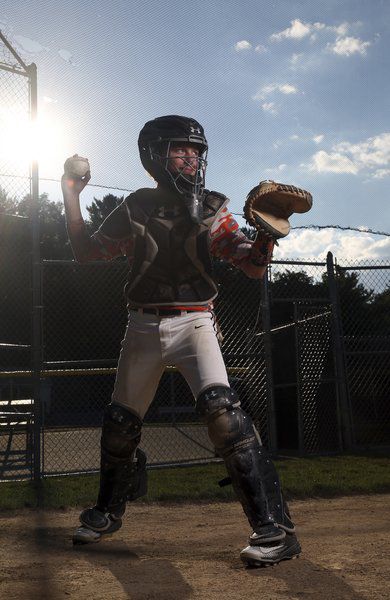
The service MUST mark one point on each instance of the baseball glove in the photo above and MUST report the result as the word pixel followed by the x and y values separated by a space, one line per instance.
pixel 269 205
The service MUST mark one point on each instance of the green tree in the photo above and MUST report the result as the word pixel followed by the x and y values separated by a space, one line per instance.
pixel 99 210
pixel 250 232
pixel 355 302
pixel 8 204
pixel 380 309
pixel 54 238
pixel 296 284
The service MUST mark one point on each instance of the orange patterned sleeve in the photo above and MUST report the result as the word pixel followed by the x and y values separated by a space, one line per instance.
pixel 230 244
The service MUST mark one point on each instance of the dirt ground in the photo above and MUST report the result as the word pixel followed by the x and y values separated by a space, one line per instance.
pixel 192 551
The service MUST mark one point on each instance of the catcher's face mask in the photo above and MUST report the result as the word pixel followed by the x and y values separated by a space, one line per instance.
pixel 184 166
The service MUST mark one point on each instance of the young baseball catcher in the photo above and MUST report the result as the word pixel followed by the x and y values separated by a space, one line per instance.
pixel 169 234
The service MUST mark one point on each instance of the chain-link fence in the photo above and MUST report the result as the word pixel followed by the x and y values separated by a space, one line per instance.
pixel 15 112
pixel 16 401
pixel 307 349
pixel 364 293
pixel 280 347
pixel 84 321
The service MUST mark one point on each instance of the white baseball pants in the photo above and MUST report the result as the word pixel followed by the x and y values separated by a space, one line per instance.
pixel 188 342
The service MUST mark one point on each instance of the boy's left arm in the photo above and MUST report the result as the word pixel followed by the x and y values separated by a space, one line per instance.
pixel 230 244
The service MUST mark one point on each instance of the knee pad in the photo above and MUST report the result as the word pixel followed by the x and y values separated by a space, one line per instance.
pixel 228 424
pixel 121 432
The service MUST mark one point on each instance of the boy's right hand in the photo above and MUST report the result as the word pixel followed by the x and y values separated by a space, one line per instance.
pixel 76 176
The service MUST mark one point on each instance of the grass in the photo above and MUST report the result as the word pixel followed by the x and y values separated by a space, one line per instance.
pixel 301 478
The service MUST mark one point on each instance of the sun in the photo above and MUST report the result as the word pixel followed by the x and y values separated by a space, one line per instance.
pixel 24 140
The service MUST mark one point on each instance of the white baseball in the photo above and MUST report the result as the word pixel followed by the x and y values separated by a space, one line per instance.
pixel 76 167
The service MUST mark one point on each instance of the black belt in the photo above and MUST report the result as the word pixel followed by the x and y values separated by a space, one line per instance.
pixel 168 312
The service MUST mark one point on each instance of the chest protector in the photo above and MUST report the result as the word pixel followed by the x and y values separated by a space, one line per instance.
pixel 172 264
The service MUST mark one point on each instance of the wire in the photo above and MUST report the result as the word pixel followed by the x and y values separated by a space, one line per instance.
pixel 109 187
pixel 293 323
pixel 189 437
pixel 359 230
pixel 365 230
pixel 98 185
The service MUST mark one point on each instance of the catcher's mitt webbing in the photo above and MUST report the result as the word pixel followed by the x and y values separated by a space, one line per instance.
pixel 269 205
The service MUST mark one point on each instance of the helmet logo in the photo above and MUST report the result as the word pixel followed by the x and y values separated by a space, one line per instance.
pixel 195 130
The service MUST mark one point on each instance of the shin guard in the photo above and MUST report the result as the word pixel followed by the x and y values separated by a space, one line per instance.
pixel 123 465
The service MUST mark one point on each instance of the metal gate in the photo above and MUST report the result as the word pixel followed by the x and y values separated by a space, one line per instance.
pixel 305 390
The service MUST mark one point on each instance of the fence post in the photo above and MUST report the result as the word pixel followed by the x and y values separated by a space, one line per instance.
pixel 301 441
pixel 266 324
pixel 342 388
pixel 36 287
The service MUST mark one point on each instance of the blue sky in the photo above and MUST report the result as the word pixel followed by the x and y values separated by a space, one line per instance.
pixel 294 91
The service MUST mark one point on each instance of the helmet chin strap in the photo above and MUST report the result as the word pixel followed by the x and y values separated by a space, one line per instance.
pixel 194 205
pixel 192 193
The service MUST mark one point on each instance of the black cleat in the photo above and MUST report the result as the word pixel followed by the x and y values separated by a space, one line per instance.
pixel 271 553
pixel 83 535
pixel 95 524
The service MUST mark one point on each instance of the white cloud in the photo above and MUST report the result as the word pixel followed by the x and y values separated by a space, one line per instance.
pixel 312 243
pixel 348 45
pixel 29 45
pixel 371 156
pixel 343 45
pixel 341 29
pixel 334 162
pixel 287 88
pixel 242 45
pixel 283 88
pixel 67 56
pixel 278 169
pixel 269 107
pixel 296 58
pixel 318 138
pixel 381 173
pixel 300 30
pixel 294 137
pixel 373 152
pixel 297 31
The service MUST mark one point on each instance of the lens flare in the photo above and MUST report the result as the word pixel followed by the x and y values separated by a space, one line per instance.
pixel 23 140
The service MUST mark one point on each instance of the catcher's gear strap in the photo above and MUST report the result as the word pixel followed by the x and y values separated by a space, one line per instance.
pixel 121 431
pixel 216 400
